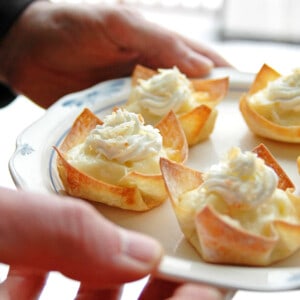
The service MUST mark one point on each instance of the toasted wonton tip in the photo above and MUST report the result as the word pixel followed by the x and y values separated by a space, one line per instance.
pixel 179 178
pixel 80 129
pixel 198 123
pixel 174 137
pixel 284 181
pixel 141 72
pixel 263 77
pixel 217 88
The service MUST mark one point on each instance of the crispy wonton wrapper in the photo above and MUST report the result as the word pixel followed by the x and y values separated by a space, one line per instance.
pixel 257 123
pixel 198 123
pixel 135 191
pixel 218 240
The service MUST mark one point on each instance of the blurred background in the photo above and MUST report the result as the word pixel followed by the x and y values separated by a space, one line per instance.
pixel 248 33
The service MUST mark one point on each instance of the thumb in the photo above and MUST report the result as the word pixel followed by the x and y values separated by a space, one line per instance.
pixel 48 232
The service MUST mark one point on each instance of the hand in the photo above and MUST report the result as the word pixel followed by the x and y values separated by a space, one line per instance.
pixel 54 49
pixel 41 233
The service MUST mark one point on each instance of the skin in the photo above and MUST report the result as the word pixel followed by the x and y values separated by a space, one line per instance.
pixel 52 50
pixel 48 232
pixel 55 49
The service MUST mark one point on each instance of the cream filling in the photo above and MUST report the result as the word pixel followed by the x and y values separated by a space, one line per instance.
pixel 111 171
pixel 243 190
pixel 279 102
pixel 168 90
pixel 257 220
pixel 118 146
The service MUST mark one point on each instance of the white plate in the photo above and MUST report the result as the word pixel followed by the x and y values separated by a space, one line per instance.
pixel 33 168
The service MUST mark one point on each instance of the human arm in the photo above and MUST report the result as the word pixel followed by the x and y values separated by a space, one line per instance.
pixel 54 49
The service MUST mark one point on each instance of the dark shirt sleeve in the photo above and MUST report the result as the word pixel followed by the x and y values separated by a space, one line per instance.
pixel 9 12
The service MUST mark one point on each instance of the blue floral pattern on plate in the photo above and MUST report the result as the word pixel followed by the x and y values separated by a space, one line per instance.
pixel 89 98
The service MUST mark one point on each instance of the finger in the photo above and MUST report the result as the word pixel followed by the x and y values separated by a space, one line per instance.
pixel 188 62
pixel 196 291
pixel 158 289
pixel 68 235
pixel 167 49
pixel 88 293
pixel 216 58
pixel 22 284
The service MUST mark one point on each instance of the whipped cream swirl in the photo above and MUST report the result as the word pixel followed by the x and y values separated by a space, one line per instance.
pixel 241 179
pixel 285 91
pixel 124 137
pixel 163 92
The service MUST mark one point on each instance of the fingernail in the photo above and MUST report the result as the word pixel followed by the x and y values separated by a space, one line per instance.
pixel 200 66
pixel 213 294
pixel 140 250
pixel 208 64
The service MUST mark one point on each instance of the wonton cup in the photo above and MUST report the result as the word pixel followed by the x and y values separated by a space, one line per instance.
pixel 256 122
pixel 199 122
pixel 215 238
pixel 134 191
